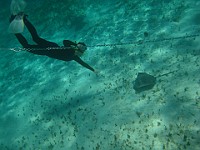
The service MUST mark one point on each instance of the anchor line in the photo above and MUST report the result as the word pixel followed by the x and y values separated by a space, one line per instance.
pixel 146 41
pixel 136 43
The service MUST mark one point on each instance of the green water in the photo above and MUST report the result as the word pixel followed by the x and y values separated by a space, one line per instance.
pixel 51 104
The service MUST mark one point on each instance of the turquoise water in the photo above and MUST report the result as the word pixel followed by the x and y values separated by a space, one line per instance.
pixel 49 104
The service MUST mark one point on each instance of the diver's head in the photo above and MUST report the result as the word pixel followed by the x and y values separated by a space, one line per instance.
pixel 81 49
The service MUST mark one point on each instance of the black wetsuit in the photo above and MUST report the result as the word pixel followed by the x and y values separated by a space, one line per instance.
pixel 60 54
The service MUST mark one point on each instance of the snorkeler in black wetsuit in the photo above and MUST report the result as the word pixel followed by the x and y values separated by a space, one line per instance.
pixel 73 51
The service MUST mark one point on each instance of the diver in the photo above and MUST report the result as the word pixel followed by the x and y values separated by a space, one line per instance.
pixel 70 51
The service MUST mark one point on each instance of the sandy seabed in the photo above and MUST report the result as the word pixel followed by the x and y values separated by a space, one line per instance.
pixel 49 104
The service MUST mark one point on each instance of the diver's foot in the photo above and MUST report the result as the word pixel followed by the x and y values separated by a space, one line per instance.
pixel 20 15
pixel 12 17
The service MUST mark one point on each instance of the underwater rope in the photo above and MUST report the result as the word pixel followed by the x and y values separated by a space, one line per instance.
pixel 140 42
pixel 18 49
pixel 146 41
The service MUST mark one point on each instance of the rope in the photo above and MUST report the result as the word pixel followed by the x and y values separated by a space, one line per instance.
pixel 146 41
pixel 140 42
pixel 18 49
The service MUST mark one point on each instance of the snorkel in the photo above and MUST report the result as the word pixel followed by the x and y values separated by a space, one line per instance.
pixel 80 49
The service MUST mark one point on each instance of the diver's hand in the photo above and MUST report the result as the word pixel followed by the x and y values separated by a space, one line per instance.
pixel 97 72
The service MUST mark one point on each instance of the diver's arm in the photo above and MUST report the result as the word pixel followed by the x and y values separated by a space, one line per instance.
pixel 69 43
pixel 78 60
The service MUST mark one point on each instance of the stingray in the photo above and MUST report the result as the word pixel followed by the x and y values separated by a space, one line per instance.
pixel 145 81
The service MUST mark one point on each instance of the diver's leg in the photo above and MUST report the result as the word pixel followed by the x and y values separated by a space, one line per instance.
pixel 36 38
pixel 32 48
pixel 22 40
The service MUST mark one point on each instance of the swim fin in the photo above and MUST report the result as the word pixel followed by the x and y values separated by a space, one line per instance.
pixel 17 25
pixel 17 6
